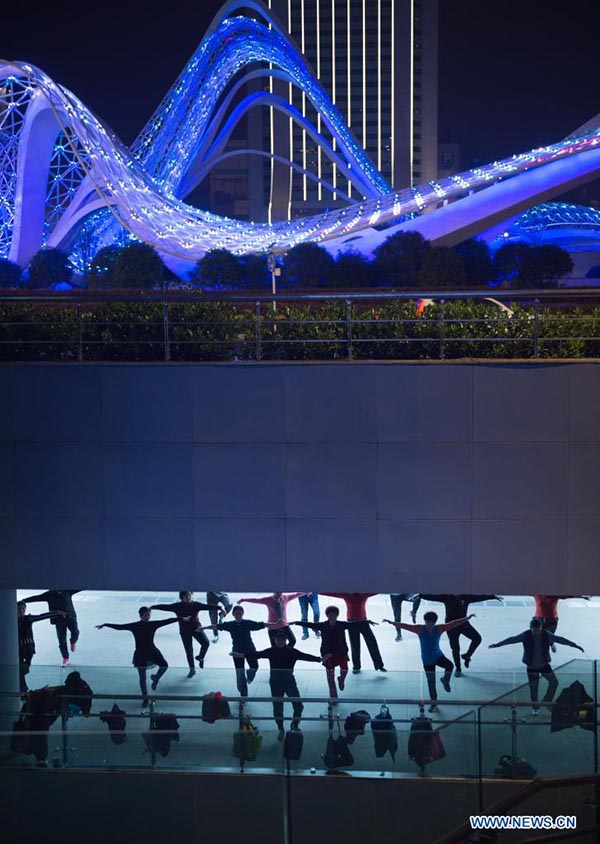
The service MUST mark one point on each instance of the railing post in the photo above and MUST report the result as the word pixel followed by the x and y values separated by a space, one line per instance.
pixel 536 329
pixel 78 318
pixel 349 328
pixel 479 761
pixel 257 330
pixel 165 315
pixel 442 329
pixel 596 717
pixel 65 739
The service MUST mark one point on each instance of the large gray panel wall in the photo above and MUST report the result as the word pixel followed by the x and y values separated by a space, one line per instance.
pixel 370 477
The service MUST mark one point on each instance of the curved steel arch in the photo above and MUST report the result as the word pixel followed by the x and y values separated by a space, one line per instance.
pixel 139 186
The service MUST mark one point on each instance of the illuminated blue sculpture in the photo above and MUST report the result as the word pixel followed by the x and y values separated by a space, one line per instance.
pixel 67 181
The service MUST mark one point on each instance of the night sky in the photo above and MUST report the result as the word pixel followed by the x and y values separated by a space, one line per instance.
pixel 513 75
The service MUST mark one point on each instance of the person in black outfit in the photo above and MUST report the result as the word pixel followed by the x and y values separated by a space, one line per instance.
pixel 282 681
pixel 187 611
pixel 60 601
pixel 334 648
pixel 146 653
pixel 536 655
pixel 240 630
pixel 457 606
pixel 26 641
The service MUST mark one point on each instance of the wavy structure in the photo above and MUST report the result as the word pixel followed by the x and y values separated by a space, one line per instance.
pixel 64 175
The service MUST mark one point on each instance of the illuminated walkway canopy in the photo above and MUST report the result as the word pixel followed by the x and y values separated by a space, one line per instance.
pixel 66 179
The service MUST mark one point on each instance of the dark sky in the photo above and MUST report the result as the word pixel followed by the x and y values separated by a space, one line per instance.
pixel 513 74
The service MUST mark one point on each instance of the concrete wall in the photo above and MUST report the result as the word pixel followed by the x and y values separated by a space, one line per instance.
pixel 374 477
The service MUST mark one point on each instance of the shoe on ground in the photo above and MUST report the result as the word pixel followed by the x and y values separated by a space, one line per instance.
pixel 73 645
pixel 153 681
pixel 215 639
pixel 413 615
pixel 356 670
pixel 398 637
pixel 295 728
pixel 145 703
pixel 381 668
pixel 445 681
pixel 191 673
pixel 280 735
pixel 553 648
pixel 458 672
pixel 341 683
pixel 305 635
pixel 318 634
pixel 250 678
pixel 200 661
pixel 433 707
pixel 535 711
pixel 466 659
pixel 65 660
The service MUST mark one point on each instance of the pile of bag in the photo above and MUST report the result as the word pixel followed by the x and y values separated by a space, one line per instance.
pixel 247 741
pixel 215 706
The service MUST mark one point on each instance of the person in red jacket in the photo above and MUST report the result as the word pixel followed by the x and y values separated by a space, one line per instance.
pixel 546 609
pixel 356 611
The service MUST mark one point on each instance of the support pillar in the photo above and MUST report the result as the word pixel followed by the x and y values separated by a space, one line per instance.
pixel 9 657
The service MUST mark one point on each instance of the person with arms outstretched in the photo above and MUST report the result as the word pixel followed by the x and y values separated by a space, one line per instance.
pixel 397 599
pixel 429 639
pixel 60 602
pixel 187 611
pixel 282 659
pixel 276 605
pixel 334 648
pixel 457 606
pixel 536 655
pixel 146 653
pixel 225 601
pixel 240 630
pixel 356 611
pixel 546 609
pixel 26 641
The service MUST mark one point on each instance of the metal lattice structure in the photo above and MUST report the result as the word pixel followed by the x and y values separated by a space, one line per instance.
pixel 63 172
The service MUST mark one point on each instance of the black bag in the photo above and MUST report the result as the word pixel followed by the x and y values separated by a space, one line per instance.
pixel 355 724
pixel 115 719
pixel 337 754
pixel 163 730
pixel 215 706
pixel 514 769
pixel 385 737
pixel 292 745
pixel 573 707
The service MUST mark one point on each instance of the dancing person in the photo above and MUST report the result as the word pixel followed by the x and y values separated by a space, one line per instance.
pixel 310 599
pixel 240 630
pixel 282 659
pixel 334 648
pixel 60 601
pixel 457 606
pixel 26 641
pixel 431 654
pixel 356 611
pixel 546 609
pixel 397 599
pixel 146 653
pixel 276 605
pixel 536 655
pixel 218 598
pixel 187 611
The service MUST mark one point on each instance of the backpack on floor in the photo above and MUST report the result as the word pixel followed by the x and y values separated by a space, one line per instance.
pixel 292 745
pixel 247 741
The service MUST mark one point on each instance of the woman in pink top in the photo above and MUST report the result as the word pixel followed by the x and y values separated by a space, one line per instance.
pixel 276 605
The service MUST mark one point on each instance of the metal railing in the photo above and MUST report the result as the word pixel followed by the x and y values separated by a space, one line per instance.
pixel 540 324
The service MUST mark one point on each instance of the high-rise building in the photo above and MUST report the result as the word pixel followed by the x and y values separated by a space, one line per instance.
pixel 378 61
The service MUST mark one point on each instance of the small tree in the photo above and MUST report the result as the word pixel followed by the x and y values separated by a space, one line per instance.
pixel 398 259
pixel 138 265
pixel 544 265
pixel 49 267
pixel 507 262
pixel 102 267
pixel 307 265
pixel 477 261
pixel 217 267
pixel 10 273
pixel 254 272
pixel 442 267
pixel 352 269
